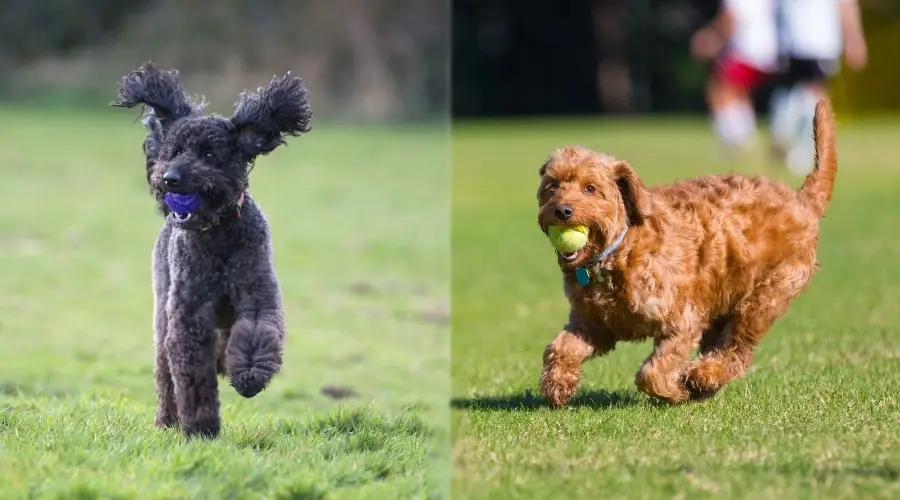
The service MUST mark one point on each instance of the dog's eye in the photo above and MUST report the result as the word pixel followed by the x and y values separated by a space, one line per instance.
pixel 590 189
pixel 209 155
pixel 551 187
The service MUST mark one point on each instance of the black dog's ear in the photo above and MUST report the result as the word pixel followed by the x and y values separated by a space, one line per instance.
pixel 265 117
pixel 160 90
pixel 154 135
pixel 152 143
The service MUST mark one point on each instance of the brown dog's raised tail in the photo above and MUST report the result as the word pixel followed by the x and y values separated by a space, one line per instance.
pixel 819 185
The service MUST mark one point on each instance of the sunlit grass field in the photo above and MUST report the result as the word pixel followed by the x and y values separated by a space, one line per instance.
pixel 360 408
pixel 818 416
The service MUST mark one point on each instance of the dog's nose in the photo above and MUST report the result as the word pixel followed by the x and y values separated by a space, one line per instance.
pixel 171 179
pixel 563 212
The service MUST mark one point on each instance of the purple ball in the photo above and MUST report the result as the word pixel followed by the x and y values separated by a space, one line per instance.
pixel 183 203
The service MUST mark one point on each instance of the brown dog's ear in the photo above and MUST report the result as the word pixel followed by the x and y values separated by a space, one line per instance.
pixel 634 193
pixel 543 169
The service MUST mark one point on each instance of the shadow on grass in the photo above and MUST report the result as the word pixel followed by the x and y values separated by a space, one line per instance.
pixel 529 401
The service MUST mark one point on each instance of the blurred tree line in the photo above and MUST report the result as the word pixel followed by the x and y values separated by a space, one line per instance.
pixel 576 56
pixel 390 59
pixel 873 91
pixel 362 59
pixel 535 57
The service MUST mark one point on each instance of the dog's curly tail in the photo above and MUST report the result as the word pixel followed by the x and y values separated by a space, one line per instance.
pixel 819 185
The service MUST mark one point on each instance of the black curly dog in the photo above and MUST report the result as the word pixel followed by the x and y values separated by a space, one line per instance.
pixel 217 306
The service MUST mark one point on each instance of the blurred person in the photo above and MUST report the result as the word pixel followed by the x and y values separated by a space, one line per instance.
pixel 742 40
pixel 812 36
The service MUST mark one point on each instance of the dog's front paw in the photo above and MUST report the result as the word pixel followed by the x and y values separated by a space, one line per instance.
pixel 706 376
pixel 558 386
pixel 557 397
pixel 250 383
pixel 253 356
pixel 667 387
pixel 710 373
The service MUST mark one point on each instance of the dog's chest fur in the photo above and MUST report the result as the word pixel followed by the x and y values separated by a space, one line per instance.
pixel 204 262
pixel 192 257
pixel 634 294
pixel 628 312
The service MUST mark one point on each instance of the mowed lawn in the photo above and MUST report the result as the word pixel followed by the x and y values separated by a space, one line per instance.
pixel 817 417
pixel 360 408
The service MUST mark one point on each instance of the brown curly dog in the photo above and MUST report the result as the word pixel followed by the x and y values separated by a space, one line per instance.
pixel 709 262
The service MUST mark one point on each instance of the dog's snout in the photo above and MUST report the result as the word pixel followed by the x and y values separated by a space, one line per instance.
pixel 563 212
pixel 172 179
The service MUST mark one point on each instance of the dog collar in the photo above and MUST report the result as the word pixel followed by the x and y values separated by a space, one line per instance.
pixel 237 212
pixel 240 203
pixel 583 274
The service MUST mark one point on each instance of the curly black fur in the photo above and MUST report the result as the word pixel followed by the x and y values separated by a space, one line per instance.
pixel 160 90
pixel 263 118
pixel 217 299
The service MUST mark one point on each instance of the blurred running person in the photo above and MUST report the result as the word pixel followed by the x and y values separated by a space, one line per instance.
pixel 743 41
pixel 812 35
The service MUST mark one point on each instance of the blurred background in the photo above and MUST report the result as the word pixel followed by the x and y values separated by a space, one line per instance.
pixel 372 60
pixel 584 57
pixel 359 408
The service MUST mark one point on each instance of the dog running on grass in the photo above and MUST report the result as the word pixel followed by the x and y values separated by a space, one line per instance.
pixel 217 307
pixel 709 262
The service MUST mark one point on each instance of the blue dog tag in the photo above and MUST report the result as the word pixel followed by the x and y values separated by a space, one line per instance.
pixel 583 276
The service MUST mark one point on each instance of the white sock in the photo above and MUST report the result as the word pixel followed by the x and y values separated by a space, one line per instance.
pixel 748 118
pixel 801 156
pixel 734 124
pixel 781 117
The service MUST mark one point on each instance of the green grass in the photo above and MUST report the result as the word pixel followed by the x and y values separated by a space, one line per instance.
pixel 366 311
pixel 818 416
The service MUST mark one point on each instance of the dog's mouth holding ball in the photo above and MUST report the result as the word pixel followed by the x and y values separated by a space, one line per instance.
pixel 183 205
pixel 568 241
pixel 569 257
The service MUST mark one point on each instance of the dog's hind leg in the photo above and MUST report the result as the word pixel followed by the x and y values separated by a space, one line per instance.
pixel 715 334
pixel 191 345
pixel 751 321
pixel 166 410
pixel 563 358
pixel 714 369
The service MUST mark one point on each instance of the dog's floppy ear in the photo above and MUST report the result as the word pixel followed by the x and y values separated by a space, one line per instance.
pixel 153 141
pixel 634 193
pixel 543 169
pixel 154 135
pixel 160 90
pixel 264 118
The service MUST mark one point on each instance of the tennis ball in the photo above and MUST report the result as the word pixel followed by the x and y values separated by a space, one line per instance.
pixel 568 239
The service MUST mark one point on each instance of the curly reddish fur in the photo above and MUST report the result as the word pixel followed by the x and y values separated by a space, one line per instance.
pixel 709 262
